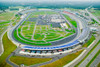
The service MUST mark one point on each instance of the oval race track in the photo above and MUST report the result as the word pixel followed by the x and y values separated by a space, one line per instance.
pixel 68 45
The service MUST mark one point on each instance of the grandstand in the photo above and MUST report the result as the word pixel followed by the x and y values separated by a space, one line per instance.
pixel 62 48
pixel 85 34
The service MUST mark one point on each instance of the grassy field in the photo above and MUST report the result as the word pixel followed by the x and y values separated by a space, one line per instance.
pixel 6 16
pixel 31 42
pixel 72 9
pixel 89 41
pixel 74 23
pixel 63 61
pixel 45 12
pixel 87 54
pixel 2 23
pixel 9 47
pixel 28 61
pixel 5 20
pixel 93 58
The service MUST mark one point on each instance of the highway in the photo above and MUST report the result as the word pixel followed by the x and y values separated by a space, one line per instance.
pixel 92 16
pixel 83 54
pixel 90 56
pixel 96 61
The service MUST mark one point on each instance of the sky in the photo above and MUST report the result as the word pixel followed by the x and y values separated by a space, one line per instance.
pixel 46 0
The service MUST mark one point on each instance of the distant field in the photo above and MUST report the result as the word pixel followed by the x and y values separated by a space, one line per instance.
pixel 15 20
pixel 5 19
pixel 33 34
pixel 45 12
pixel 96 13
pixel 72 9
pixel 6 16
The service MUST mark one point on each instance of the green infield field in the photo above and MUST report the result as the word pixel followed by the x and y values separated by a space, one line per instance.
pixel 30 32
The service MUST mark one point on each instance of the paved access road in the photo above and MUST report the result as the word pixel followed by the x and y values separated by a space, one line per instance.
pixel 90 56
pixel 37 65
pixel 96 61
pixel 1 45
pixel 8 61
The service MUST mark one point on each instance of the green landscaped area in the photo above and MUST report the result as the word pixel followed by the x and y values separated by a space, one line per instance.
pixel 93 58
pixel 98 65
pixel 63 61
pixel 30 33
pixel 74 23
pixel 87 54
pixel 28 61
pixel 9 47
pixel 89 41
pixel 94 21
